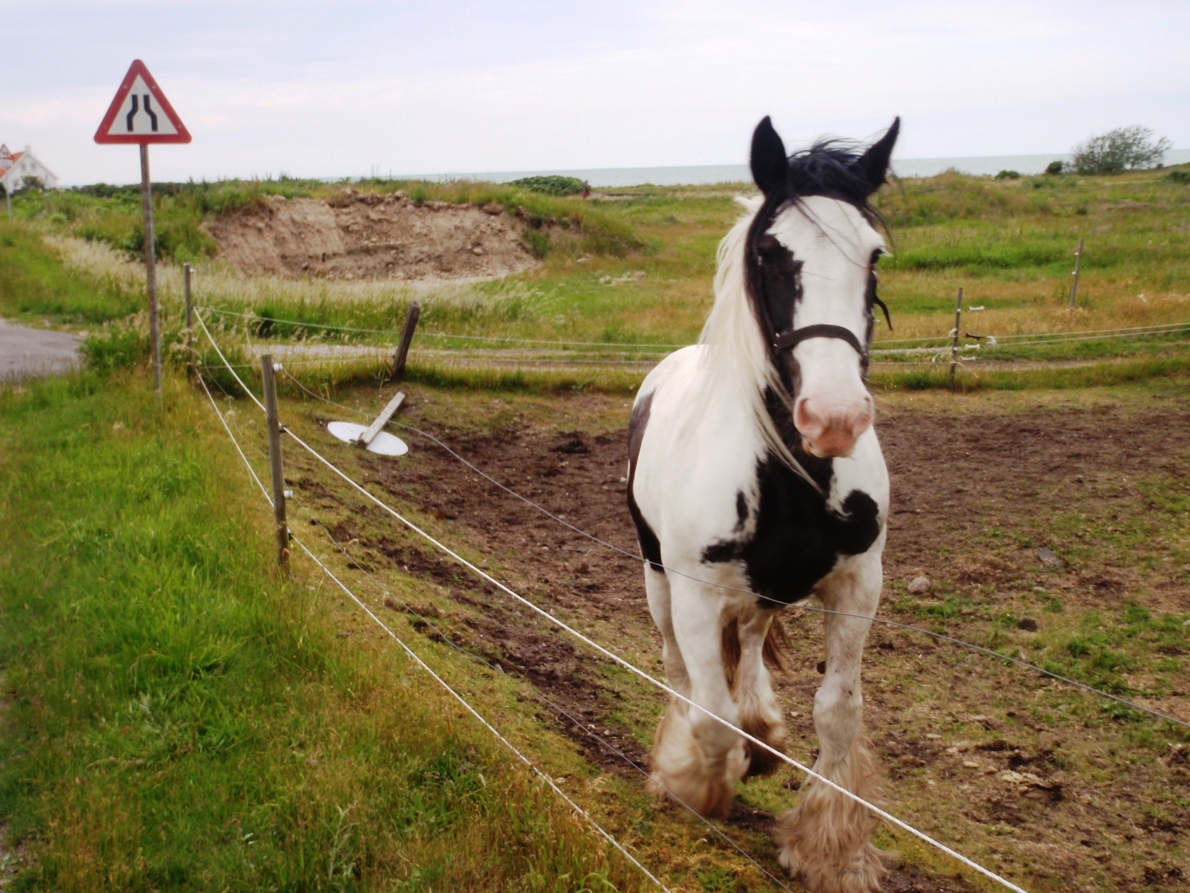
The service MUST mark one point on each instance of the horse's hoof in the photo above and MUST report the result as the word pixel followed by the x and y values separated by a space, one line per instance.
pixel 710 797
pixel 820 866
pixel 863 874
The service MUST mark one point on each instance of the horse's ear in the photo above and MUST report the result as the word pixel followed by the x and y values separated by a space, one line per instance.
pixel 770 164
pixel 873 164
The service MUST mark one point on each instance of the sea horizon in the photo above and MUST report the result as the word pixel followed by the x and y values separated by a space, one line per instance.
pixel 710 174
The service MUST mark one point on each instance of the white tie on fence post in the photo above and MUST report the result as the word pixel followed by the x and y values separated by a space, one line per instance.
pixel 269 380
pixel 954 345
pixel 1078 262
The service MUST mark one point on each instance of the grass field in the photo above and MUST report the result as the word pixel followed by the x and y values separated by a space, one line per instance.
pixel 177 715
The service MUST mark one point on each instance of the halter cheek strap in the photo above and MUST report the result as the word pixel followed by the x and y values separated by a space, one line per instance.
pixel 791 338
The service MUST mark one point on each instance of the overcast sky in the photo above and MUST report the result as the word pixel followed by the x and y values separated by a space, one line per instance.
pixel 342 88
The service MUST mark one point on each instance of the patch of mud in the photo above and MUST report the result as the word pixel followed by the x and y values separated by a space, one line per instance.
pixel 368 236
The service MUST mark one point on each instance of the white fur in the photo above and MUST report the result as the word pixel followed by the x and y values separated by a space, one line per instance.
pixel 707 430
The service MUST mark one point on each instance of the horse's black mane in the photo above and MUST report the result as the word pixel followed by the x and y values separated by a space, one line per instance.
pixel 829 168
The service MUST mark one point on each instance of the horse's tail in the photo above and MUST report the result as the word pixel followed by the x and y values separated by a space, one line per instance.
pixel 773 651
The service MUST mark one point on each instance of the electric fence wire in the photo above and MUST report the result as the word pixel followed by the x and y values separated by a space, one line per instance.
pixel 423 665
pixel 636 671
pixel 880 347
pixel 942 637
pixel 1041 340
pixel 496 339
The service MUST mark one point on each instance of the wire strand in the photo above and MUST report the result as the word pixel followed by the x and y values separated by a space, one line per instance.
pixel 449 335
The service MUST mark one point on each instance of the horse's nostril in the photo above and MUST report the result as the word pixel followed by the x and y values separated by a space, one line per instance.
pixel 806 418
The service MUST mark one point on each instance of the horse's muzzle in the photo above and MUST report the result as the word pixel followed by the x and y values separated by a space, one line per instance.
pixel 831 432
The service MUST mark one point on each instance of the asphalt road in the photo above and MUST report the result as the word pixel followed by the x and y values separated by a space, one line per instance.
pixel 26 353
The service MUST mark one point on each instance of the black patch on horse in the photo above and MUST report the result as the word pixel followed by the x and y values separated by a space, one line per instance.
pixel 650 546
pixel 798 540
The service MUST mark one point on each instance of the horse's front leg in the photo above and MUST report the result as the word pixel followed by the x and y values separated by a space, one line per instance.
pixel 825 840
pixel 696 759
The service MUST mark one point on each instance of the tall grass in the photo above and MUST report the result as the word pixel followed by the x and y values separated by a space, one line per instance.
pixel 34 282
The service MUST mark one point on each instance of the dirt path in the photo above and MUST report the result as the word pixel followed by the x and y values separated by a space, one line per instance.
pixel 26 353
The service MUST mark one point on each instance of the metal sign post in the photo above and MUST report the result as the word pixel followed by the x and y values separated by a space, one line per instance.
pixel 141 114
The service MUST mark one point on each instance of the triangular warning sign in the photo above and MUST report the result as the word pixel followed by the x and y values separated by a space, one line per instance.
pixel 140 113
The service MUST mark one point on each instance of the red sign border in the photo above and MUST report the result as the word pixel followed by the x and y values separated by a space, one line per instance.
pixel 102 135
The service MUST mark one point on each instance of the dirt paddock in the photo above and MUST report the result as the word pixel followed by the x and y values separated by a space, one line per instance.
pixel 1006 765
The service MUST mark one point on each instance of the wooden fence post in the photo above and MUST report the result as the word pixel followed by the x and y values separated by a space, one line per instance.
pixel 402 353
pixel 1078 262
pixel 269 379
pixel 186 268
pixel 954 346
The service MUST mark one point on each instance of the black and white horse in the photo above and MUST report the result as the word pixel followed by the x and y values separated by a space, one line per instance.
pixel 755 481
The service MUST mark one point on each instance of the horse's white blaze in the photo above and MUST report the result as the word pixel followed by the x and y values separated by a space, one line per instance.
pixel 834 244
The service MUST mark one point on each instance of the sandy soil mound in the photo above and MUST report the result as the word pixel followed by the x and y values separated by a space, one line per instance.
pixel 371 237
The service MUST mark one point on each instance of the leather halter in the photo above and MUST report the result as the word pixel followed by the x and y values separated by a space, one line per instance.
pixel 791 338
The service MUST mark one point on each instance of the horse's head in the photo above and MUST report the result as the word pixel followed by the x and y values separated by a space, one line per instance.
pixel 810 266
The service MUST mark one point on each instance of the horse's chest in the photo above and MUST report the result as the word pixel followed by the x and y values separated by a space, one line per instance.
pixel 788 537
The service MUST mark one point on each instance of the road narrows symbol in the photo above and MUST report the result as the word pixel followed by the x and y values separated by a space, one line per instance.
pixel 152 114
pixel 131 114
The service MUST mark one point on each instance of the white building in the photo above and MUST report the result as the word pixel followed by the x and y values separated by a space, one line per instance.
pixel 15 167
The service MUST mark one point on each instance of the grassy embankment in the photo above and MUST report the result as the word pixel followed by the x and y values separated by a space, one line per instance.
pixel 636 267
pixel 177 715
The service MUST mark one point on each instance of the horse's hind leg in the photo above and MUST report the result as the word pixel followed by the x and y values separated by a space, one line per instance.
pixel 760 715
pixel 696 759
pixel 824 841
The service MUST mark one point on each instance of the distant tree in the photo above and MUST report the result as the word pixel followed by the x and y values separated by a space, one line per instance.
pixel 32 183
pixel 1008 175
pixel 1122 149
pixel 1055 167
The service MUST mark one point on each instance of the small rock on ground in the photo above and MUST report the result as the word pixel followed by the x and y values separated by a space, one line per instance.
pixel 919 586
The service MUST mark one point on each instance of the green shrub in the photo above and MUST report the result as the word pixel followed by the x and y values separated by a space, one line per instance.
pixel 551 185
pixel 116 349
pixel 1055 167
pixel 1008 175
